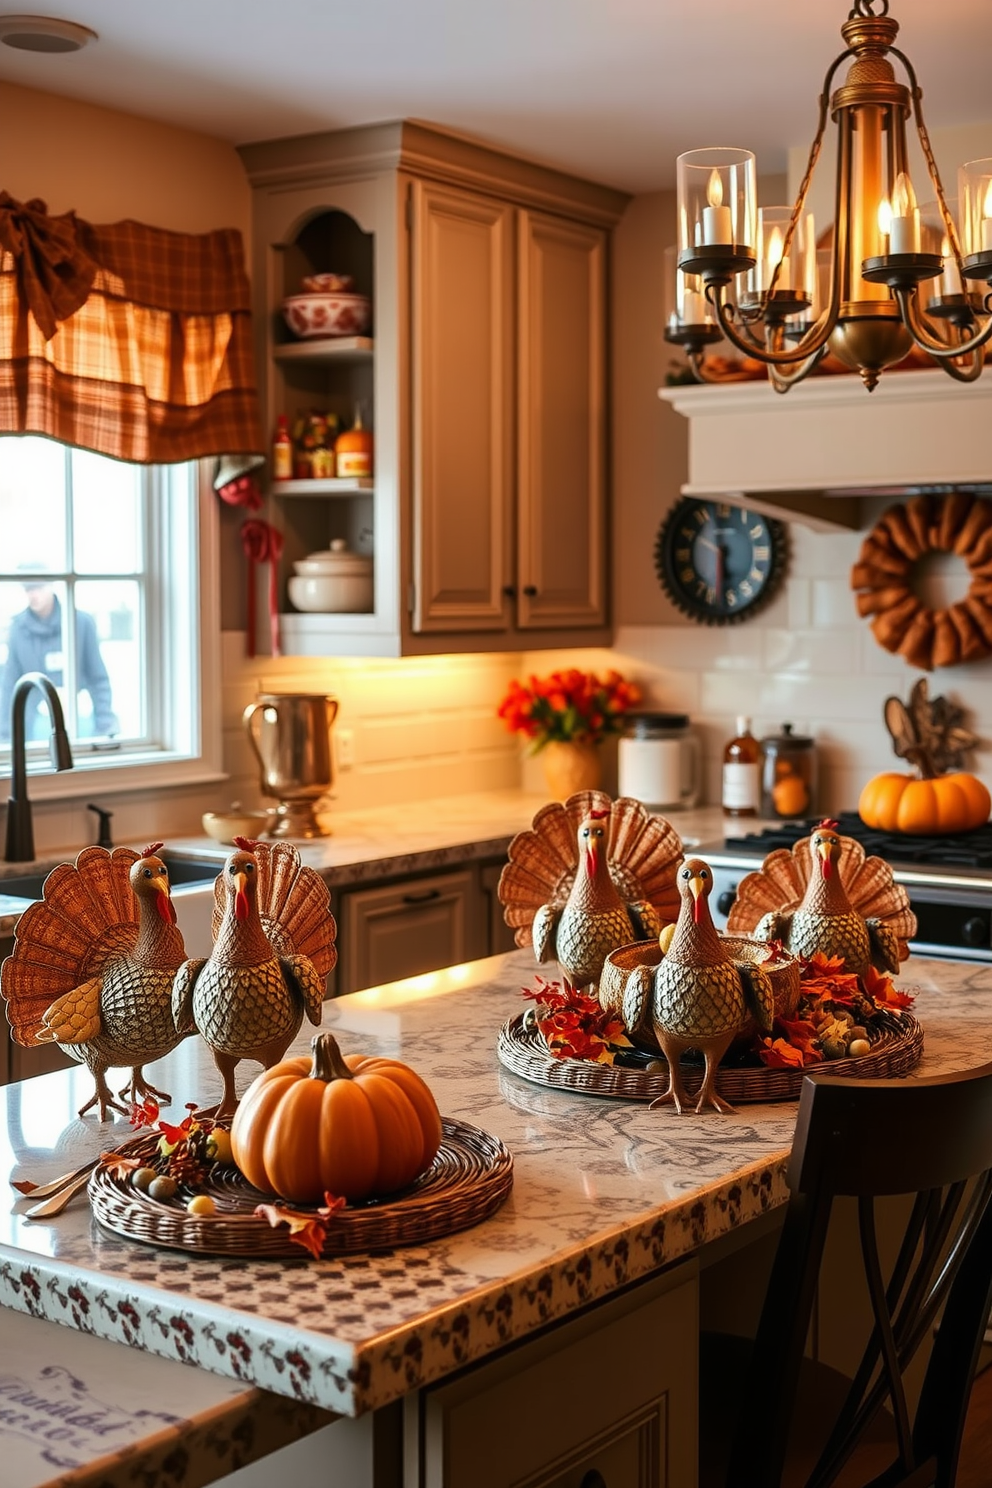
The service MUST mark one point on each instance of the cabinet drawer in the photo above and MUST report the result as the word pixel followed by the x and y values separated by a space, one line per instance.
pixel 612 1393
pixel 404 929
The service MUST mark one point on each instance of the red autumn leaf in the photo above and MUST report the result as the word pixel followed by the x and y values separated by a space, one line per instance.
pixel 144 1115
pixel 24 1185
pixel 880 989
pixel 175 1134
pixel 801 1034
pixel 304 1229
pixel 778 1054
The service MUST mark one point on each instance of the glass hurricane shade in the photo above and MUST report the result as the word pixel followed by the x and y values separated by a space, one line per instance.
pixel 797 268
pixel 717 199
pixel 685 303
pixel 975 196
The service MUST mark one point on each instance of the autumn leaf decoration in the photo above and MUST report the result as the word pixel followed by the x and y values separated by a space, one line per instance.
pixel 306 1229
pixel 831 998
pixel 574 1026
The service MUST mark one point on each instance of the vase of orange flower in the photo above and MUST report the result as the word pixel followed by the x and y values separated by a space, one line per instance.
pixel 566 716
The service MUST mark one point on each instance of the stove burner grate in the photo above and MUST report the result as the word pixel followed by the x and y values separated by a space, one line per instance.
pixel 964 850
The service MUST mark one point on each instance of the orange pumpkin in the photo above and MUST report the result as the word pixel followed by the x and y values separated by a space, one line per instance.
pixel 352 1126
pixel 922 808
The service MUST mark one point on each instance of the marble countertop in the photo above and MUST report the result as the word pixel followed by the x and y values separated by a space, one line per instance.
pixel 605 1192
pixel 394 841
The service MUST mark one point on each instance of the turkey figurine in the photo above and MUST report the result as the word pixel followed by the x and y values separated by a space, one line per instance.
pixel 825 895
pixel 591 875
pixel 699 997
pixel 273 947
pixel 93 965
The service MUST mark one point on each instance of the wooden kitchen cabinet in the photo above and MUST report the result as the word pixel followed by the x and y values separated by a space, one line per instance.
pixel 484 376
pixel 509 377
pixel 403 929
pixel 418 924
pixel 611 1393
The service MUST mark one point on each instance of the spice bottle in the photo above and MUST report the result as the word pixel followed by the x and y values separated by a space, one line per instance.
pixel 282 450
pixel 353 449
pixel 742 772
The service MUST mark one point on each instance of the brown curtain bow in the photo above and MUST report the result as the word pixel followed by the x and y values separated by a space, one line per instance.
pixel 55 271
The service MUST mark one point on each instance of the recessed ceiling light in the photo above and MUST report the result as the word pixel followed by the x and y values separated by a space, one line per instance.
pixel 43 34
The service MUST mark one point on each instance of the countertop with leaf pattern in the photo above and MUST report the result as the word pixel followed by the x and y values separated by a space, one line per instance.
pixel 605 1192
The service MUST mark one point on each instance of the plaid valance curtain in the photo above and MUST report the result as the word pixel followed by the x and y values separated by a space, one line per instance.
pixel 128 340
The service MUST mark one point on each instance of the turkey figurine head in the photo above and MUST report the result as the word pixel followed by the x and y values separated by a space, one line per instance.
pixel 695 940
pixel 826 846
pixel 241 877
pixel 149 878
pixel 594 839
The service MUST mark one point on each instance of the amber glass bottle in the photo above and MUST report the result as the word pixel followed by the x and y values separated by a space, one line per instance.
pixel 742 772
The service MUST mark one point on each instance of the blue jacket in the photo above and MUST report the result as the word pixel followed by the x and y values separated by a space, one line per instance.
pixel 36 645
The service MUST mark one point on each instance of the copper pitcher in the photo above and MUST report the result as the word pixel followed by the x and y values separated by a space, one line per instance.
pixel 290 734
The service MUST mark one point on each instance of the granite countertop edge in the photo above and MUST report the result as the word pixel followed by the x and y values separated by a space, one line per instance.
pixel 316 1368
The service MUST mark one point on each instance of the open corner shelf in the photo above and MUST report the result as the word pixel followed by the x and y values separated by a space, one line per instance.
pixel 326 349
pixel 338 485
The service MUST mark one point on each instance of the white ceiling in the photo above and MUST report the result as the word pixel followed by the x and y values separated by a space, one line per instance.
pixel 609 89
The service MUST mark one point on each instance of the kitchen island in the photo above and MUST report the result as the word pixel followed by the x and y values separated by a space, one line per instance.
pixel 612 1207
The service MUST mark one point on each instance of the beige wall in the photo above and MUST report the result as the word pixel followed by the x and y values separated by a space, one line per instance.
pixel 106 165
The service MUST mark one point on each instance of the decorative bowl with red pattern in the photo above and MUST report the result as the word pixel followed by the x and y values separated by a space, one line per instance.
pixel 310 315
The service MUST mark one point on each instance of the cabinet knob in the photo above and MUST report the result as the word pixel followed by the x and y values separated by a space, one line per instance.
pixel 593 1479
pixel 510 591
pixel 530 590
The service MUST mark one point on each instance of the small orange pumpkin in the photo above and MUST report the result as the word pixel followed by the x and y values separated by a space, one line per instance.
pixel 350 1125
pixel 946 803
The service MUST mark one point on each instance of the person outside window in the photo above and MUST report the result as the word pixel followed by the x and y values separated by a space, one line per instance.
pixel 35 644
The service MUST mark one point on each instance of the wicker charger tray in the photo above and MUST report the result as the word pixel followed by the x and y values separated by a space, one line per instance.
pixel 896 1047
pixel 468 1180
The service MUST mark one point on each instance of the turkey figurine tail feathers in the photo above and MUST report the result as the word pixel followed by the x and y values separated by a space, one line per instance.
pixel 87 914
pixel 644 852
pixel 294 906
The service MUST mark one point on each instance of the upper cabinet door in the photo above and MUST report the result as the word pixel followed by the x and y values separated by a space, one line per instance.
pixel 561 410
pixel 462 413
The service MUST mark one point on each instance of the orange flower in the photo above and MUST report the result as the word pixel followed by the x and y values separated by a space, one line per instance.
pixel 568 705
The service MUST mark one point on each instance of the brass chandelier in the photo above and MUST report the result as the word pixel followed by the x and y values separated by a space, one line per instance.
pixel 752 274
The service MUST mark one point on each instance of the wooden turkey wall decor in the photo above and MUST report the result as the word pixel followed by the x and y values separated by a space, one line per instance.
pixel 957 522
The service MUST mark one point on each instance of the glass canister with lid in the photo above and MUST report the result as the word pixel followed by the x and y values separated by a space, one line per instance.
pixel 660 761
pixel 789 770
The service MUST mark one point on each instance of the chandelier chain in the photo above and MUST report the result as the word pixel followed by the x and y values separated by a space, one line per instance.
pixel 865 8
pixel 814 155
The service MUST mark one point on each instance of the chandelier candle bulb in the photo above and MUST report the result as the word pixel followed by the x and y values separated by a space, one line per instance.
pixel 775 242
pixel 904 226
pixel 717 222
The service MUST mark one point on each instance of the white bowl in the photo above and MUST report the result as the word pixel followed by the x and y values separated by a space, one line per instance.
pixel 329 594
pixel 224 826
pixel 327 314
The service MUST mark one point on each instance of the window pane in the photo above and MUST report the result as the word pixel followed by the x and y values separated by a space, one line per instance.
pixel 108 658
pixel 32 505
pixel 105 511
pixel 34 643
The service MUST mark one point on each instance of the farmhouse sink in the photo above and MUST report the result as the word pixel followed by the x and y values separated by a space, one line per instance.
pixel 184 868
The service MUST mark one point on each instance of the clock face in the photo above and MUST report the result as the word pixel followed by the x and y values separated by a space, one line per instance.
pixel 719 563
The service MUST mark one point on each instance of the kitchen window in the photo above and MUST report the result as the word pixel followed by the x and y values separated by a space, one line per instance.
pixel 126 555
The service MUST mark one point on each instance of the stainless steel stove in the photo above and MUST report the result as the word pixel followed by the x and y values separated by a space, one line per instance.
pixel 948 879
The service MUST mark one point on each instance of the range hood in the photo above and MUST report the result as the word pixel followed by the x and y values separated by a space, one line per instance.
pixel 817 452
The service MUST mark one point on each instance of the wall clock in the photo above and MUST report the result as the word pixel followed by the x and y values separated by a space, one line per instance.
pixel 719 563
